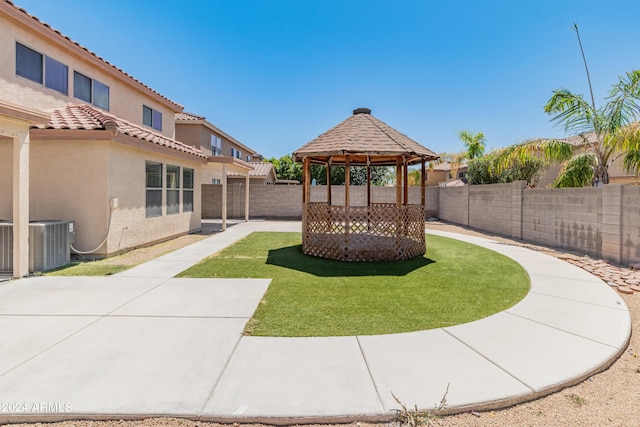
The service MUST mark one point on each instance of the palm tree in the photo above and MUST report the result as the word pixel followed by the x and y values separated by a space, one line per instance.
pixel 604 131
pixel 475 143
pixel 454 159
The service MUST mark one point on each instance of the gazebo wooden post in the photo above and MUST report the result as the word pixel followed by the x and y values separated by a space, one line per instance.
pixel 347 181
pixel 329 181
pixel 305 179
pixel 368 194
pixel 329 216
pixel 368 182
pixel 423 184
pixel 398 183
pixel 405 181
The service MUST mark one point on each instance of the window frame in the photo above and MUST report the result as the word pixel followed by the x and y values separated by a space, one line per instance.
pixel 216 145
pixel 172 190
pixel 153 211
pixel 38 71
pixel 77 77
pixel 155 118
pixel 188 189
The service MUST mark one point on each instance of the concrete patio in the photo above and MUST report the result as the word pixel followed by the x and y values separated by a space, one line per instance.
pixel 142 343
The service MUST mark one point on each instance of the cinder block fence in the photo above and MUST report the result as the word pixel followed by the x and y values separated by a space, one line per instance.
pixel 602 222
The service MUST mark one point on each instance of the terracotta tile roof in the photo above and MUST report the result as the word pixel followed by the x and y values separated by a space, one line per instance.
pixel 188 116
pixel 260 169
pixel 58 33
pixel 362 133
pixel 85 117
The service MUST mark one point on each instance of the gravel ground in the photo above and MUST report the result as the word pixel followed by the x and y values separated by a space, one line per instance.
pixel 610 398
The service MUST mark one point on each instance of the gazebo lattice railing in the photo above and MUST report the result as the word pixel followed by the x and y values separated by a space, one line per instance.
pixel 379 232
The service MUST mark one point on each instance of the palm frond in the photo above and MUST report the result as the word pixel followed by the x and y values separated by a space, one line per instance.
pixel 572 110
pixel 550 149
pixel 623 106
pixel 577 172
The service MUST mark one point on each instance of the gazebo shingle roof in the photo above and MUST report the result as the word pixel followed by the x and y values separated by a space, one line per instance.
pixel 363 134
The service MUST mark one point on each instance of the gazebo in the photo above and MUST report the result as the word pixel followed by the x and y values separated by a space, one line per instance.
pixel 372 231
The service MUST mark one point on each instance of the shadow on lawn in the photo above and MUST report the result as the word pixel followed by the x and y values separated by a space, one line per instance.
pixel 292 257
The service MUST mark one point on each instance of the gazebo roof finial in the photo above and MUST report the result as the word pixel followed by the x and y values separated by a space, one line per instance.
pixel 361 111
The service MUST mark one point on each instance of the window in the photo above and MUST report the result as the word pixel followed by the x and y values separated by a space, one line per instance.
pixel 29 63
pixel 100 95
pixel 173 189
pixel 187 190
pixel 216 146
pixel 81 87
pixel 56 76
pixel 152 118
pixel 41 69
pixel 153 172
pixel 236 153
pixel 248 158
pixel 216 181
pixel 91 91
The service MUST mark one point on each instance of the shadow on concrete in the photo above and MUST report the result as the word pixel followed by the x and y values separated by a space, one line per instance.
pixel 291 257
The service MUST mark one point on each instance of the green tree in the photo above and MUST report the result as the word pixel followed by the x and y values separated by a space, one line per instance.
pixel 485 170
pixel 605 131
pixel 380 175
pixel 286 168
pixel 475 143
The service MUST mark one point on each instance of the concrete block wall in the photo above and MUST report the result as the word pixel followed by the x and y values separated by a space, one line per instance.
pixel 569 218
pixel 630 235
pixel 454 204
pixel 491 207
pixel 285 201
pixel 601 222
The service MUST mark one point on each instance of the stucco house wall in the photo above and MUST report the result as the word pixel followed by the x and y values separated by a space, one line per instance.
pixel 129 225
pixel 76 179
pixel 6 179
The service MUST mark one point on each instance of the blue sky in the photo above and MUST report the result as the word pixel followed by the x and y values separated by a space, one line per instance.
pixel 277 73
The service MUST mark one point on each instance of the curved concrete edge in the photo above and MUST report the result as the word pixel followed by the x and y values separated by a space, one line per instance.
pixel 543 273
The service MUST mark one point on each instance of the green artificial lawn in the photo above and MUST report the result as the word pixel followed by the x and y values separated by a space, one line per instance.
pixel 455 282
pixel 93 268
